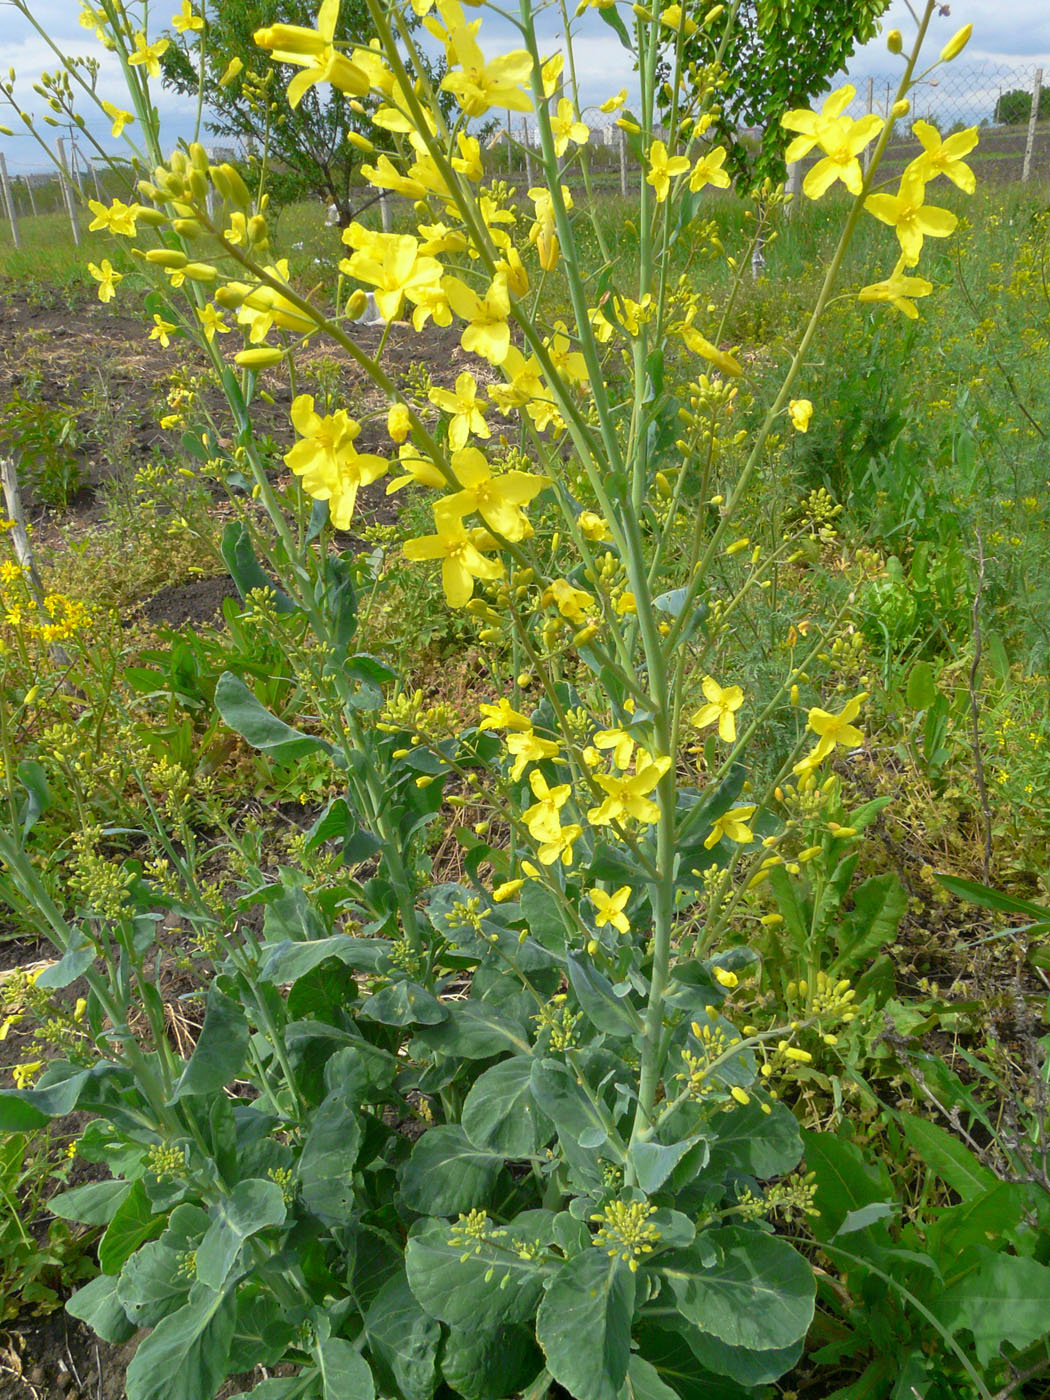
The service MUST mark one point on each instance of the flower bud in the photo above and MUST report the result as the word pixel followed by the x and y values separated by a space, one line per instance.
pixel 188 228
pixel 901 108
pixel 895 41
pixel 955 45
pixel 259 358
pixel 166 257
pixel 356 304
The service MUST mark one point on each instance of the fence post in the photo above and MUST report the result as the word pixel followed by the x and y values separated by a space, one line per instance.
pixel 384 211
pixel 9 201
pixel 793 187
pixel 67 190
pixel 29 191
pixel 623 161
pixel 1037 91
pixel 869 107
pixel 528 151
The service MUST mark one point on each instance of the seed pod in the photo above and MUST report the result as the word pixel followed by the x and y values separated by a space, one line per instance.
pixel 259 358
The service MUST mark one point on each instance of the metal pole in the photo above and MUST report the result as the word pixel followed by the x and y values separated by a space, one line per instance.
pixel 9 201
pixel 869 107
pixel 67 190
pixel 29 192
pixel 623 162
pixel 98 191
pixel 1037 92
pixel 384 211
pixel 793 187
pixel 528 150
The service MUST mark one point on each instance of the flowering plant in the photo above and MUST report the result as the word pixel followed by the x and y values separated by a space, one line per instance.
pixel 595 1066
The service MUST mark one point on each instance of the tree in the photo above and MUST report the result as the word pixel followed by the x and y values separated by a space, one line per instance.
pixel 781 54
pixel 306 146
pixel 1014 108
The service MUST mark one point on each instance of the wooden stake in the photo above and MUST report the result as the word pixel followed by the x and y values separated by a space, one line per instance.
pixel 1037 92
pixel 9 200
pixel 67 190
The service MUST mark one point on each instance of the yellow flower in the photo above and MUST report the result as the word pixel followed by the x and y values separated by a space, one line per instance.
pixel 566 127
pixel 398 422
pixel 149 54
pixel 836 731
pixel 572 603
pixel 627 796
pixel 497 499
pixel 613 104
pixel 620 742
pixel 331 468
pixel 162 330
pixel 313 50
pixel 460 554
pixel 187 19
pixel 839 137
pixel 528 748
pixel 708 171
pixel 119 218
pixel 733 825
pixel 896 290
pixel 233 70
pixel 593 527
pixel 480 85
pixel 560 846
pixel 610 908
pixel 945 157
pixel 542 818
pixel 107 279
pixel 467 414
pixel 676 18
pixel 955 45
pixel 117 116
pixel 721 706
pixel 503 715
pixel 487 333
pixel 392 264
pixel 507 890
pixel 662 168
pixel 800 411
pixel 211 321
pixel 907 212
pixel 700 345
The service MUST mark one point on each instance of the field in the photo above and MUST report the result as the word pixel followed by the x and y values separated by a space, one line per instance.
pixel 903 539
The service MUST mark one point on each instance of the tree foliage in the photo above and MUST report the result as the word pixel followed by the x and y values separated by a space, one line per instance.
pixel 1014 108
pixel 306 146
pixel 781 54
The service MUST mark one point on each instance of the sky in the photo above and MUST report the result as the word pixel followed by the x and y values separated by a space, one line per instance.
pixel 1006 37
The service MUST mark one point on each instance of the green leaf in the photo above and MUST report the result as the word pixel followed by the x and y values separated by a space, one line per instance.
pixel 488 1365
pixel 988 898
pixel 921 689
pixel 447 1174
pixel 97 1304
pixel 864 1216
pixel 741 1364
pixel 845 1181
pixel 404 1003
pixel 878 907
pixel 644 1383
pixel 758 1144
pixel 150 1285
pixel 572 1110
pixel 615 23
pixel 221 1051
pixel 404 1339
pixel 19 1116
pixel 758 1293
pixel 674 1362
pixel 473 1292
pixel 327 1162
pixel 263 1331
pixel 345 1374
pixel 945 1155
pixel 476 1030
pixel 1003 1299
pixel 38 797
pixel 289 960
pixel 584 1325
pixel 599 1003
pixel 245 569
pixel 653 1163
pixel 254 723
pixel 133 1223
pixel 93 1204
pixel 73 963
pixel 251 1206
pixel 184 1357
pixel 500 1114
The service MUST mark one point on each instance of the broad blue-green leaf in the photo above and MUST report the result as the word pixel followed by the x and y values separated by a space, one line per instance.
pixel 251 1206
pixel 653 1163
pixel 500 1114
pixel 447 1174
pixel 861 1218
pixel 758 1293
pixel 327 1162
pixel 97 1304
pixel 220 1053
pixel 404 1339
pixel 344 1373
pixel 572 1110
pixel 754 1143
pixel 245 569
pixel 490 1365
pixel 404 1003
pixel 19 1116
pixel 184 1357
pixel 132 1225
pixel 289 960
pixel 476 1291
pixel 33 778
pixel 584 1325
pixel 476 1029
pixel 1003 1298
pixel 93 1204
pixel 151 1284
pixel 644 1383
pixel 254 723
pixel 741 1364
pixel 600 1005
pixel 73 963
pixel 845 1180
